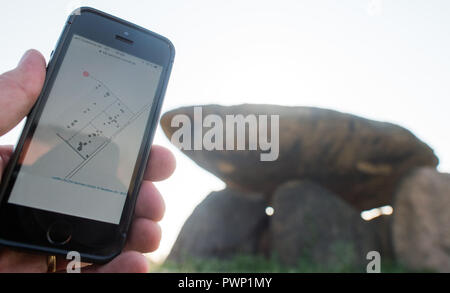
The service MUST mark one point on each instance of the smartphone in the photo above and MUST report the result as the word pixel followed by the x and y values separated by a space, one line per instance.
pixel 73 180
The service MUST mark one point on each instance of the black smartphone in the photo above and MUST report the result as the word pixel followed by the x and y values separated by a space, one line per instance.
pixel 73 180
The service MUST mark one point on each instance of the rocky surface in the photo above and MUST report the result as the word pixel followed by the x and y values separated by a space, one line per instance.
pixel 421 221
pixel 226 223
pixel 358 159
pixel 331 166
pixel 382 225
pixel 313 225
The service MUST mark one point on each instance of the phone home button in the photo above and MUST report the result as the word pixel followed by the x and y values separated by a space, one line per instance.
pixel 59 233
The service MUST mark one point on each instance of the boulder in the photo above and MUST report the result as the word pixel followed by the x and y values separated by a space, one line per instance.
pixel 314 227
pixel 421 223
pixel 224 224
pixel 359 159
pixel 382 225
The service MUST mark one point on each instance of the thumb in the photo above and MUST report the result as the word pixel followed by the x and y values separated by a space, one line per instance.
pixel 19 89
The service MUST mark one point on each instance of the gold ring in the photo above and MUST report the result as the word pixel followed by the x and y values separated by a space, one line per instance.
pixel 51 264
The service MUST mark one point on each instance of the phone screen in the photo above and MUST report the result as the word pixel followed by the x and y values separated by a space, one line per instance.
pixel 83 153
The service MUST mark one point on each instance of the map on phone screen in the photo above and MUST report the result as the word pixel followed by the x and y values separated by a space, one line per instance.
pixel 81 158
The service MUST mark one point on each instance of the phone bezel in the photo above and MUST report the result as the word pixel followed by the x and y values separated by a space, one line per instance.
pixel 102 28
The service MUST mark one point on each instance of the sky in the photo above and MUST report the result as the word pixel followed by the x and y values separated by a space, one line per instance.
pixel 383 60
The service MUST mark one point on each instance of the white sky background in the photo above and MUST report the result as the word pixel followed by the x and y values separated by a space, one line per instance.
pixel 384 60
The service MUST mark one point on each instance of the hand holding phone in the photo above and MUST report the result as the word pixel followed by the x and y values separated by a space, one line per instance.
pixel 29 77
pixel 24 81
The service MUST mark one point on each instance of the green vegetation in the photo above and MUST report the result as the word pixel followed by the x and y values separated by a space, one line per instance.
pixel 260 264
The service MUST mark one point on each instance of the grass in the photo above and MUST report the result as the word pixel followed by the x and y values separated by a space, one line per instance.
pixel 260 264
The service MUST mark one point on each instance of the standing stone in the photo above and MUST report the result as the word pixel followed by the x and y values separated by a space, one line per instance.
pixel 224 224
pixel 314 226
pixel 421 224
pixel 382 226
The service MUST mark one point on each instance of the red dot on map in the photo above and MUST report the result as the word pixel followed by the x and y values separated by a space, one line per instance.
pixel 85 74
